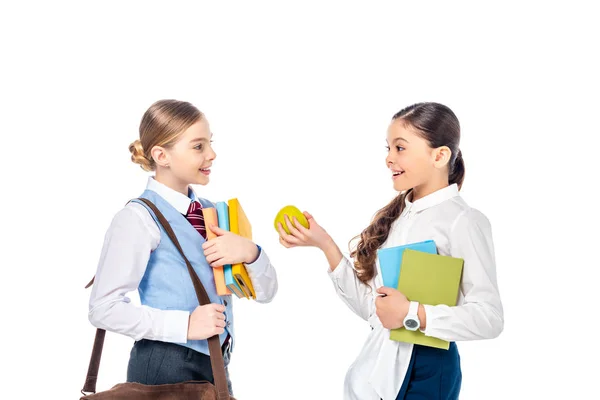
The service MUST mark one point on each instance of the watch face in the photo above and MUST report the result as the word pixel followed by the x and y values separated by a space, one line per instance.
pixel 411 323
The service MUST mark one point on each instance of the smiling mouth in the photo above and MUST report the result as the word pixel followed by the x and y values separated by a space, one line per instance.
pixel 397 173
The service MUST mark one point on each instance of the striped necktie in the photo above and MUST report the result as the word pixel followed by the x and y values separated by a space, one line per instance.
pixel 194 215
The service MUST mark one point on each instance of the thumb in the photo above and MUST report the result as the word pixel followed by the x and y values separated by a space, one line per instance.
pixel 386 290
pixel 218 231
pixel 219 307
pixel 308 215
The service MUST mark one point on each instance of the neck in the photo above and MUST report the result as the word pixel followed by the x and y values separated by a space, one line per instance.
pixel 170 181
pixel 427 188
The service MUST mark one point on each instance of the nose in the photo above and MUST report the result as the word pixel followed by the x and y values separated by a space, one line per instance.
pixel 388 161
pixel 212 155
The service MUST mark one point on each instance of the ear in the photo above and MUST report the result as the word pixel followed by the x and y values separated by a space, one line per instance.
pixel 441 156
pixel 160 156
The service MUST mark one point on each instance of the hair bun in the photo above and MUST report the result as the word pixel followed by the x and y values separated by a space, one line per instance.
pixel 139 157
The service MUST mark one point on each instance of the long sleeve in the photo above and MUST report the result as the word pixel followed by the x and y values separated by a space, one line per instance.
pixel 480 315
pixel 263 277
pixel 351 290
pixel 128 243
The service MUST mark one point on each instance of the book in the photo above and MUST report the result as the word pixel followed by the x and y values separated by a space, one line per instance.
pixel 223 215
pixel 429 279
pixel 211 218
pixel 390 260
pixel 240 225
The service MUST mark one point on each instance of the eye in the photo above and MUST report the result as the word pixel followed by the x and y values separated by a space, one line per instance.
pixel 387 148
pixel 198 147
pixel 399 148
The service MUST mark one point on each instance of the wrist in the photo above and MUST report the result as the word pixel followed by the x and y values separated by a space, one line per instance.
pixel 422 317
pixel 404 310
pixel 411 320
pixel 253 253
pixel 328 246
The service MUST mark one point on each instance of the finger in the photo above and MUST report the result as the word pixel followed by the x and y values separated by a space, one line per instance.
pixel 308 215
pixel 218 231
pixel 210 250
pixel 289 238
pixel 220 323
pixel 286 244
pixel 218 330
pixel 282 232
pixel 386 290
pixel 220 315
pixel 300 228
pixel 213 257
pixel 218 307
pixel 220 262
pixel 294 232
pixel 208 244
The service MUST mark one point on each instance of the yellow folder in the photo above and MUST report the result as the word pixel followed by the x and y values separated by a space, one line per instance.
pixel 239 224
pixel 429 279
pixel 211 218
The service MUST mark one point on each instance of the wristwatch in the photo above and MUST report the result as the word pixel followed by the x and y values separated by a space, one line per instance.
pixel 411 321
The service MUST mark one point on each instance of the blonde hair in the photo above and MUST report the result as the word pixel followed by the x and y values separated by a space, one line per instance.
pixel 161 125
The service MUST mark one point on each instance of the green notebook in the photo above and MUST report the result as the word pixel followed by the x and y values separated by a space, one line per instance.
pixel 429 279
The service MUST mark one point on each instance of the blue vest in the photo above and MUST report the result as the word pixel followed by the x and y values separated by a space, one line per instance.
pixel 167 284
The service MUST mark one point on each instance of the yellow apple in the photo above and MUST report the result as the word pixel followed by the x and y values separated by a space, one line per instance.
pixel 291 212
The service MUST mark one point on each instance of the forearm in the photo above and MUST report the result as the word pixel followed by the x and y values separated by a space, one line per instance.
pixel 333 254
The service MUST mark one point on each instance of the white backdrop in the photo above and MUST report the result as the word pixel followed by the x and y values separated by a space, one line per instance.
pixel 299 96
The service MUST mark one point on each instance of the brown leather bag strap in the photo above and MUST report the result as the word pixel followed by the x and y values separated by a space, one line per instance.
pixel 92 374
pixel 214 346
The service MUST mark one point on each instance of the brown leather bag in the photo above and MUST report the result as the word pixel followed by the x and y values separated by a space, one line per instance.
pixel 196 390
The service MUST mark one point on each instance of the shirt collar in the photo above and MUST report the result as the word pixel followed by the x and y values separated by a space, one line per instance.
pixel 433 199
pixel 178 200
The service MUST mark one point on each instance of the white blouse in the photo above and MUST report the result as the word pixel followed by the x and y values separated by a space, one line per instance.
pixel 131 237
pixel 459 231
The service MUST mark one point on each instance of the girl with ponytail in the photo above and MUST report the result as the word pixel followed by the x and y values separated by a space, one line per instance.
pixel 428 170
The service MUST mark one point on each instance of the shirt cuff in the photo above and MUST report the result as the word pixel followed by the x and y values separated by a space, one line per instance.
pixel 261 262
pixel 339 270
pixel 175 326
pixel 259 251
pixel 429 319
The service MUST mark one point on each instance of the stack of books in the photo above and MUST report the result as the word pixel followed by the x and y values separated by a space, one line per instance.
pixel 229 278
pixel 421 275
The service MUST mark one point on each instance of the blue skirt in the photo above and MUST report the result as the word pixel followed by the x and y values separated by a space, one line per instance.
pixel 433 374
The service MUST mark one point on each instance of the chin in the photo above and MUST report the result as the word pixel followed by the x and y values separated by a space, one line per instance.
pixel 399 187
pixel 202 181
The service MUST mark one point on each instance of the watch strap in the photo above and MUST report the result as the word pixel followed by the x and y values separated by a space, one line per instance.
pixel 413 308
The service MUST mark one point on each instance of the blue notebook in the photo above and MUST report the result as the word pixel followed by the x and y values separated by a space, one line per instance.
pixel 223 216
pixel 390 260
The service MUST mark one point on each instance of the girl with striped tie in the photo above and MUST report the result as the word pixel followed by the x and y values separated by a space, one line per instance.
pixel 427 170
pixel 170 329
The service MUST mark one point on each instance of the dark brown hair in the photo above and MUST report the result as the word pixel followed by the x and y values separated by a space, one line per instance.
pixel 439 126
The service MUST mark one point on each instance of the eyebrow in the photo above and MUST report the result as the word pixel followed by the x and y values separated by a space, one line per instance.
pixel 399 139
pixel 196 140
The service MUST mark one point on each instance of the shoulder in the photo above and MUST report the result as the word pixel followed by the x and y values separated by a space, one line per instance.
pixel 137 220
pixel 468 218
